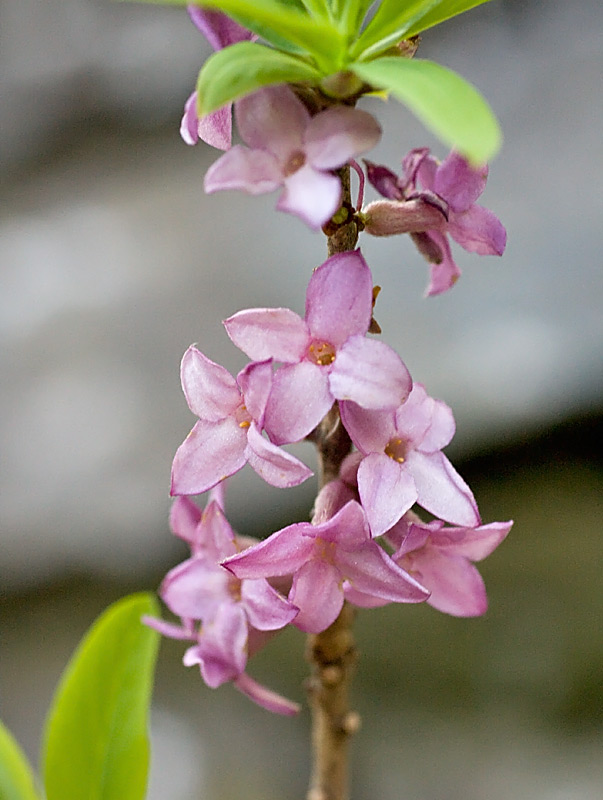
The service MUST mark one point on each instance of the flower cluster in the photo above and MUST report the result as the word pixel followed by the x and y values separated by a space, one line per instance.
pixel 365 543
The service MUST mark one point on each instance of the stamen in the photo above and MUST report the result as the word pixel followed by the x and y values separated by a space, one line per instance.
pixel 295 161
pixel 322 353
pixel 396 449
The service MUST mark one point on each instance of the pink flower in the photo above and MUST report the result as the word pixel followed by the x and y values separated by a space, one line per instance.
pixel 228 433
pixel 215 128
pixel 326 355
pixel 226 618
pixel 441 559
pixel 431 200
pixel 321 557
pixel 289 148
pixel 400 462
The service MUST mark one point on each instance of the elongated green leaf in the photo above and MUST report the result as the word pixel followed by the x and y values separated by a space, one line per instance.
pixel 444 102
pixel 275 21
pixel 244 67
pixel 446 9
pixel 17 781
pixel 96 745
pixel 392 23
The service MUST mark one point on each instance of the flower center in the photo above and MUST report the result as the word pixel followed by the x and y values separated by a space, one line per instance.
pixel 295 161
pixel 322 353
pixel 396 449
pixel 242 416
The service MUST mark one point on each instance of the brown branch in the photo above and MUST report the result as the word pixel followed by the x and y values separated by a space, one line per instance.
pixel 332 653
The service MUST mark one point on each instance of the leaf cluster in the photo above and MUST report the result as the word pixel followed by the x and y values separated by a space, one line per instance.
pixel 345 48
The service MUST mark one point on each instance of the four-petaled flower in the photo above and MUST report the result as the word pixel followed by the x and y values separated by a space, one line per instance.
pixel 326 356
pixel 289 148
pixel 400 462
pixel 431 200
pixel 229 431
pixel 321 557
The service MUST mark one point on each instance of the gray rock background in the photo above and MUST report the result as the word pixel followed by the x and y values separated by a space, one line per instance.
pixel 112 261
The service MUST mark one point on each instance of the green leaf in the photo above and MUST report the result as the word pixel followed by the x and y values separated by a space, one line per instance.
pixel 444 102
pixel 277 20
pixel 446 9
pixel 96 744
pixel 391 23
pixel 244 67
pixel 17 780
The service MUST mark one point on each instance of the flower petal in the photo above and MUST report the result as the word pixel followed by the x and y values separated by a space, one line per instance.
pixel 189 126
pixel 369 430
pixel 387 490
pixel 216 128
pixel 339 299
pixel 265 697
pixel 456 586
pixel 299 399
pixel 371 571
pixel 266 609
pixel 185 515
pixel 218 29
pixel 370 373
pixel 221 651
pixel 441 490
pixel 195 589
pixel 479 231
pixel 211 452
pixel 210 390
pixel 338 134
pixel 255 382
pixel 251 171
pixel 273 120
pixel 314 196
pixel 283 553
pixel 445 273
pixel 275 466
pixel 317 592
pixel 472 543
pixel 390 217
pixel 263 333
pixel 458 182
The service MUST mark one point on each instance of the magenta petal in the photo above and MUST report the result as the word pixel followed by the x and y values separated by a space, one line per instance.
pixel 255 382
pixel 314 196
pixel 251 171
pixel 169 629
pixel 415 417
pixel 189 127
pixel 283 553
pixel 443 275
pixel 369 430
pixel 479 231
pixel 318 593
pixel 371 571
pixel 211 452
pixel 266 609
pixel 216 128
pixel 185 515
pixel 386 489
pixel 265 697
pixel 338 134
pixel 221 652
pixel 339 299
pixel 369 373
pixel 441 490
pixel 360 599
pixel 299 399
pixel 210 390
pixel 473 543
pixel 219 30
pixel 458 182
pixel 441 430
pixel 195 589
pixel 456 586
pixel 275 466
pixel 263 333
pixel 272 119
pixel 216 539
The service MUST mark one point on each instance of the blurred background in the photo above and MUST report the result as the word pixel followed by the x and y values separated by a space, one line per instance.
pixel 113 261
